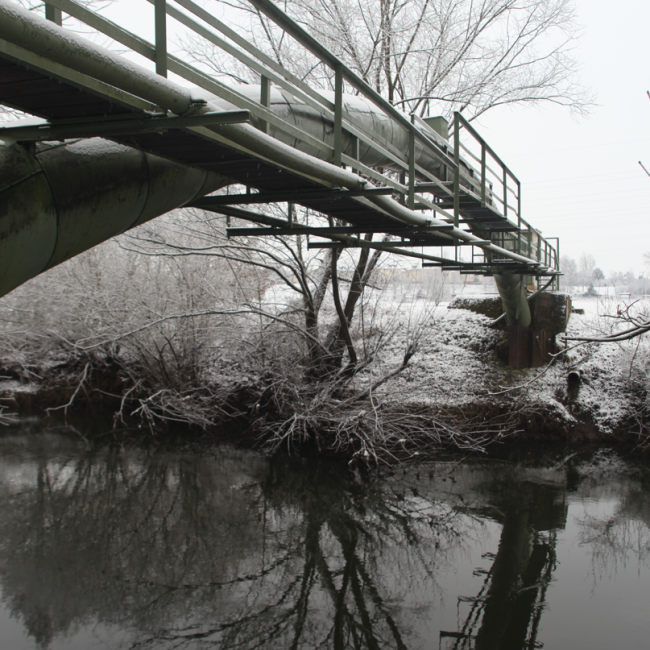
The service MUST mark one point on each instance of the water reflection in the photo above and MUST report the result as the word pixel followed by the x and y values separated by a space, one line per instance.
pixel 506 611
pixel 135 549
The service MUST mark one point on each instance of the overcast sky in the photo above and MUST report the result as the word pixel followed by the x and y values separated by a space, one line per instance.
pixel 581 180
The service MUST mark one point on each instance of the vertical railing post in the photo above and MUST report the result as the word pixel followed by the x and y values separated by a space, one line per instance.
pixel 456 176
pixel 338 115
pixel 519 208
pixel 160 8
pixel 53 14
pixel 556 284
pixel 483 166
pixel 356 153
pixel 505 193
pixel 411 200
pixel 265 100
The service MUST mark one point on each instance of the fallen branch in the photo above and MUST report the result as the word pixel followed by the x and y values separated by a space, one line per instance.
pixel 617 337
pixel 65 407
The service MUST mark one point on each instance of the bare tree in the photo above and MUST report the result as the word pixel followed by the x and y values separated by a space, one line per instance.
pixel 586 266
pixel 646 260
pixel 432 56
pixel 420 54
pixel 570 270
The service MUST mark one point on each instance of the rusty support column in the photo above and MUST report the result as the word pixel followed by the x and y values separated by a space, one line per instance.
pixel 543 348
pixel 519 344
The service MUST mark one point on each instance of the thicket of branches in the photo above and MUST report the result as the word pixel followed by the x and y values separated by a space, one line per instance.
pixel 177 324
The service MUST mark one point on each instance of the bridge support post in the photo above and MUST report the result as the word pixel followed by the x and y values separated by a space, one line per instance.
pixel 543 347
pixel 533 345
pixel 519 346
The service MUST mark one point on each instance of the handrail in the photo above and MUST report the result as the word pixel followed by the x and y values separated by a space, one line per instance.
pixel 273 12
pixel 520 239
pixel 490 173
pixel 473 131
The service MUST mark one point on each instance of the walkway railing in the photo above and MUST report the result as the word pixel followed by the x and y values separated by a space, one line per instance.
pixel 474 173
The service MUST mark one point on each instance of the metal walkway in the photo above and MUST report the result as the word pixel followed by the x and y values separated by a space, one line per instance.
pixel 282 142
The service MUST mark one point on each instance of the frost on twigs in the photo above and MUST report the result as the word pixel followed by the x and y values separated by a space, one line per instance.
pixel 176 323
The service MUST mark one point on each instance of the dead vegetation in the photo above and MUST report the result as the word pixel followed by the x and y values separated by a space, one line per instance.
pixel 178 325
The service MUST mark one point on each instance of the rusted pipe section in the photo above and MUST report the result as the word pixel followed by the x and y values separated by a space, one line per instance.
pixel 574 378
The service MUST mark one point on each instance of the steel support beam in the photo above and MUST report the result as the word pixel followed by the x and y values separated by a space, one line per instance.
pixel 53 14
pixel 123 126
pixel 357 243
pixel 335 230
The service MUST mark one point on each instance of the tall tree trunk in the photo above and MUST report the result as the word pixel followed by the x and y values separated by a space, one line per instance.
pixel 312 304
pixel 343 323
pixel 335 342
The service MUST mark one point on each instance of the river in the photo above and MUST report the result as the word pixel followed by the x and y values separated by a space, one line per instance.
pixel 113 547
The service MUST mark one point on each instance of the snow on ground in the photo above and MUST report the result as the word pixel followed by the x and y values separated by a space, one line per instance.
pixel 450 365
pixel 456 362
pixel 456 365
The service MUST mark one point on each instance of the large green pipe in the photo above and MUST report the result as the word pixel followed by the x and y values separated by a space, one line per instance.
pixel 513 297
pixel 64 199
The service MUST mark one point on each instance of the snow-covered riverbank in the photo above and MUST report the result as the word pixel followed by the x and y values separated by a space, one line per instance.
pixel 455 375
pixel 456 368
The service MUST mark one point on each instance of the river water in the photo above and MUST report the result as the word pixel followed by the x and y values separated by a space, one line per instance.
pixel 111 548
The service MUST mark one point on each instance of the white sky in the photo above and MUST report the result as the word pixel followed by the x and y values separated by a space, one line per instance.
pixel 580 178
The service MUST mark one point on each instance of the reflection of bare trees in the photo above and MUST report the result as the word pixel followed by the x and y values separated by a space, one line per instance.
pixel 222 551
pixel 353 549
pixel 114 536
pixel 621 536
pixel 231 551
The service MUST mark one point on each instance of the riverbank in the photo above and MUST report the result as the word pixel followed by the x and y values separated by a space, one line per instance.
pixel 454 392
pixel 458 370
